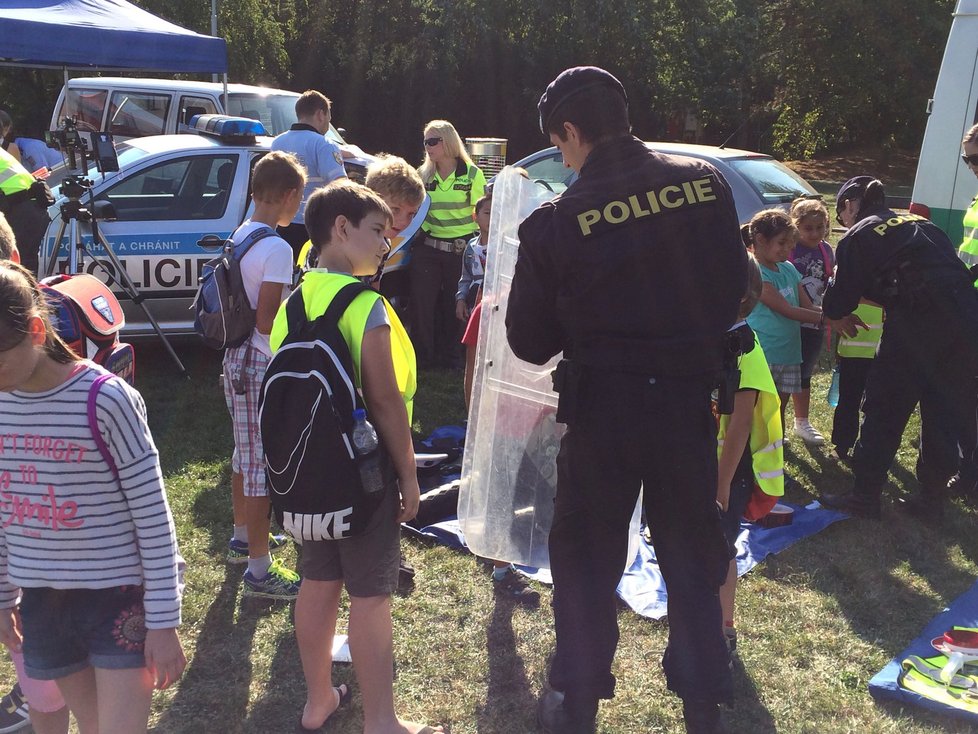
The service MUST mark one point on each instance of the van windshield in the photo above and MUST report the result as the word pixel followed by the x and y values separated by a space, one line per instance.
pixel 275 111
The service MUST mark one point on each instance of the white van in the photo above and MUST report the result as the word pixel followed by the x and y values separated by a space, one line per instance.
pixel 944 187
pixel 132 108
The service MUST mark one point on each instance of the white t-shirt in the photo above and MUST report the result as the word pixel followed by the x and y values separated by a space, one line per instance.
pixel 268 261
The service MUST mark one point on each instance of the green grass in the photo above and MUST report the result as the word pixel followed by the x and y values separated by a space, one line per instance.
pixel 815 622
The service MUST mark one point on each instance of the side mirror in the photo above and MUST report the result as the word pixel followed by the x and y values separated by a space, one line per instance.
pixel 105 211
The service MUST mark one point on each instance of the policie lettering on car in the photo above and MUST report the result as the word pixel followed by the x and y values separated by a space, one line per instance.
pixel 646 203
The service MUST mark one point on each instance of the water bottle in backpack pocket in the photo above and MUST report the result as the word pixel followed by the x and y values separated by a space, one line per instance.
pixel 319 484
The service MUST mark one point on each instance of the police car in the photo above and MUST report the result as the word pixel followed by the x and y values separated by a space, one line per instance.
pixel 166 212
pixel 757 181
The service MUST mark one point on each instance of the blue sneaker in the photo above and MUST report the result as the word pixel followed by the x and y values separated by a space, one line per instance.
pixel 238 549
pixel 279 583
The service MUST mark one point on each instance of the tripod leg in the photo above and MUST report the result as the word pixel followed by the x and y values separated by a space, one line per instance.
pixel 122 276
pixel 52 259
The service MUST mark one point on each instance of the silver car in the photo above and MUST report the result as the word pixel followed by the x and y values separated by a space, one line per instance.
pixel 757 181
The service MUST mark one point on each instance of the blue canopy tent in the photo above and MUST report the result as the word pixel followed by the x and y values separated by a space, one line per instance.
pixel 102 34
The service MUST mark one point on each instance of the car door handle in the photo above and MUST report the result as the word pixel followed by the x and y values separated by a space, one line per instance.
pixel 210 242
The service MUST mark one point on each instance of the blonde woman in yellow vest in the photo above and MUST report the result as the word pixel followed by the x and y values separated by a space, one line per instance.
pixel 750 451
pixel 454 184
pixel 855 357
pixel 346 223
pixel 968 251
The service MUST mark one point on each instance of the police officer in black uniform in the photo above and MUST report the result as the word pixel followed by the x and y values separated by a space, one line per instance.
pixel 929 350
pixel 635 273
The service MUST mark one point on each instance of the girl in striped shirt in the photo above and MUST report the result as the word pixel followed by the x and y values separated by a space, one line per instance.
pixel 89 581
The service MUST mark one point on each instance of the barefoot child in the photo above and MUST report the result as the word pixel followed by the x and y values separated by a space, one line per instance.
pixel 89 578
pixel 347 223
pixel 784 302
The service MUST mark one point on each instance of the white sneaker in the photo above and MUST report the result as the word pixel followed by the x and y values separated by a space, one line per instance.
pixel 809 434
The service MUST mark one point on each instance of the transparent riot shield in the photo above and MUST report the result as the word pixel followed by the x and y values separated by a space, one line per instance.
pixel 509 472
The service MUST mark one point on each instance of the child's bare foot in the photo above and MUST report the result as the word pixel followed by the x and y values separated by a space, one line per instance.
pixel 313 719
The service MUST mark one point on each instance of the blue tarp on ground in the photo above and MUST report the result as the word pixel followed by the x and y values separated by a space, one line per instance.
pixel 962 612
pixel 105 34
pixel 642 587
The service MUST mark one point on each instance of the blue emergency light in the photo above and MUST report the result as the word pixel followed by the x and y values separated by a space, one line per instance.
pixel 226 126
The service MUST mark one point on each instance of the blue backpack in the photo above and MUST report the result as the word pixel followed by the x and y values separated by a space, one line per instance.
pixel 223 316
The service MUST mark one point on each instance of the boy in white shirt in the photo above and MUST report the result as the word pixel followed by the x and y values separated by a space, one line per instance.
pixel 266 270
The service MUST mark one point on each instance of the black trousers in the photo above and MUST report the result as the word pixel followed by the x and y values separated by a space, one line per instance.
pixel 631 431
pixel 28 219
pixel 922 359
pixel 853 374
pixel 435 331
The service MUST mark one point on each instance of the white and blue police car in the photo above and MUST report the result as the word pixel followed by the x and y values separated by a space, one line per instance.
pixel 166 212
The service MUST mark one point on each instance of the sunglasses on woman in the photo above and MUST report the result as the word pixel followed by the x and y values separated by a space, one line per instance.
pixel 431 142
pixel 970 159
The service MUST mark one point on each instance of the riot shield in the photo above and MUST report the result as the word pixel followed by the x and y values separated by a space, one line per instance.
pixel 509 472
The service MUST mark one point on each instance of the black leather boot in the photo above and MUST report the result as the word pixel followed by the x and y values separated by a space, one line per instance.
pixel 554 717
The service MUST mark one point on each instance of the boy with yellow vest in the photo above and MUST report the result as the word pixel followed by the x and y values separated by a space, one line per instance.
pixel 855 357
pixel 346 223
pixel 750 451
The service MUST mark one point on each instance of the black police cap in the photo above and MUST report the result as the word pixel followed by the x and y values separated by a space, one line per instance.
pixel 854 188
pixel 570 82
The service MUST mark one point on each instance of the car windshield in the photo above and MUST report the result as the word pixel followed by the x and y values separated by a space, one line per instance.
pixel 128 154
pixel 773 181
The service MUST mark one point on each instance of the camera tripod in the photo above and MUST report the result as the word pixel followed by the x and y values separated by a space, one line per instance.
pixel 74 212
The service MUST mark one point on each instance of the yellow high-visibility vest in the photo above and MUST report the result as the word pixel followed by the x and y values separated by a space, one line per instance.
pixel 319 287
pixel 452 202
pixel 766 433
pixel 14 178
pixel 968 252
pixel 866 342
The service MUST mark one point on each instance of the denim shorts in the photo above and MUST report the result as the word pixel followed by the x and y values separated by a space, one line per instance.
pixel 67 630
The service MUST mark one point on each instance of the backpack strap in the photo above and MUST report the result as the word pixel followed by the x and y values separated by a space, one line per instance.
pixel 295 306
pixel 93 423
pixel 238 251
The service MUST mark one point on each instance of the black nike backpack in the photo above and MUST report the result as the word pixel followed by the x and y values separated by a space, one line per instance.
pixel 306 419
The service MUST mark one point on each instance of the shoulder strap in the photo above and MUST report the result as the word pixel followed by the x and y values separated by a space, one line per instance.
pixel 342 300
pixel 295 311
pixel 93 422
pixel 239 251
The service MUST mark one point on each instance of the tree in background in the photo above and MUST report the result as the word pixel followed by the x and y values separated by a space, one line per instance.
pixel 793 77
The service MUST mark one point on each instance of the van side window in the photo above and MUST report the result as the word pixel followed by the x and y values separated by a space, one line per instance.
pixel 188 188
pixel 86 106
pixel 191 106
pixel 134 114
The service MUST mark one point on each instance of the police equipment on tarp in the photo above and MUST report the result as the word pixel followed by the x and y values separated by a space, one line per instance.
pixel 509 472
pixel 76 153
pixel 88 317
pixel 306 417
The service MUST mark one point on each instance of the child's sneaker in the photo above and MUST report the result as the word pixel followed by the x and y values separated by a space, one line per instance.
pixel 515 587
pixel 279 583
pixel 238 549
pixel 809 434
pixel 13 711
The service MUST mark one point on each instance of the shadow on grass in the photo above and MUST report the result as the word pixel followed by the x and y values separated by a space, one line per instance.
pixel 749 713
pixel 212 513
pixel 218 677
pixel 510 696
